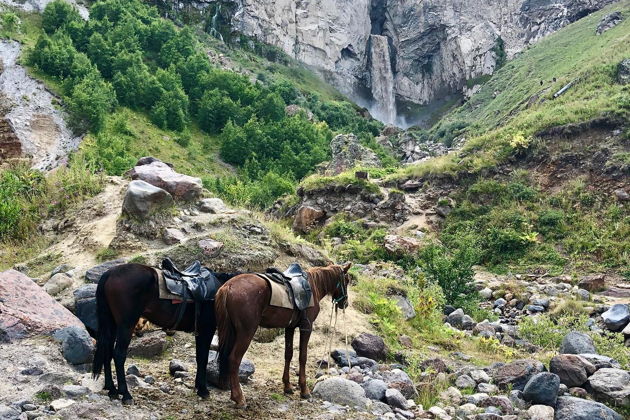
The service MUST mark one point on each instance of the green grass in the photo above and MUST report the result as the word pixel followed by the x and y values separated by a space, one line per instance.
pixel 500 120
pixel 317 182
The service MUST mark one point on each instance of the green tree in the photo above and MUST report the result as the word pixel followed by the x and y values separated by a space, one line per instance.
pixel 215 110
pixel 234 144
pixel 91 100
pixel 58 14
pixel 10 22
pixel 271 107
pixel 53 55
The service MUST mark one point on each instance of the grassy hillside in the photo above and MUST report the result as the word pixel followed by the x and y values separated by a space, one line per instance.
pixel 505 115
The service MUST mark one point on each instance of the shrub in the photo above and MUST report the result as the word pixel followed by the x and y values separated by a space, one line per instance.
pixel 58 14
pixel 91 100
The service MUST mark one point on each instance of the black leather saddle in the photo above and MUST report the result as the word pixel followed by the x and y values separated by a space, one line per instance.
pixel 295 279
pixel 195 282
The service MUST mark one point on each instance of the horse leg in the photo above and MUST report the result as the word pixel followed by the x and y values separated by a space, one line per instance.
pixel 109 381
pixel 123 338
pixel 288 355
pixel 305 335
pixel 240 347
pixel 207 327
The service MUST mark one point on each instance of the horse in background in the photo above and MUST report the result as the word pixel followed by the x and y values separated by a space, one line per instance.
pixel 243 304
pixel 130 291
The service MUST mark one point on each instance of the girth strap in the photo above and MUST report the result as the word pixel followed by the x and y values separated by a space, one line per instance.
pixel 181 310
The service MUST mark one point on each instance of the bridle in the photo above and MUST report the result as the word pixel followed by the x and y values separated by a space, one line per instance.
pixel 340 284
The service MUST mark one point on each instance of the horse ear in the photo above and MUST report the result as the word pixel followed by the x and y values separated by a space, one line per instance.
pixel 347 267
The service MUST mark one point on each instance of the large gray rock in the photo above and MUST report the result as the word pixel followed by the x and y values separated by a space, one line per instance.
pixel 348 152
pixel 152 344
pixel 161 175
pixel 611 385
pixel 623 77
pixel 9 413
pixel 406 308
pixel 572 369
pixel 58 283
pixel 456 318
pixel 608 22
pixel 617 317
pixel 375 389
pixel 143 199
pixel 93 275
pixel 77 346
pixel 85 306
pixel 542 388
pixel 600 361
pixel 577 342
pixel 26 309
pixel 370 346
pixel 399 380
pixel 516 374
pixel 572 408
pixel 245 370
pixel 395 399
pixel 341 391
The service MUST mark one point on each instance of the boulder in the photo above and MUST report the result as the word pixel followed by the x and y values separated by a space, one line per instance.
pixel 395 399
pixel 621 194
pixel 340 356
pixel 517 373
pixel 375 389
pixel 161 175
pixel 26 309
pixel 435 365
pixel 465 382
pixel 542 388
pixel 608 22
pixel 212 205
pixel 611 385
pixel 175 366
pixel 572 369
pixel 9 413
pixel 405 306
pixel 480 376
pixel 577 342
pixel 308 217
pixel 210 247
pixel 85 306
pixel 403 245
pixel 341 391
pixel 57 284
pixel 399 380
pixel 348 152
pixel 593 283
pixel 484 329
pixel 245 370
pixel 455 318
pixel 152 344
pixel 572 408
pixel 143 200
pixel 600 361
pixel 540 412
pixel 93 275
pixel 172 236
pixel 370 346
pixel 617 317
pixel 77 346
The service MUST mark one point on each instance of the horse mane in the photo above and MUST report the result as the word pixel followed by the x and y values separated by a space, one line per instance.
pixel 321 277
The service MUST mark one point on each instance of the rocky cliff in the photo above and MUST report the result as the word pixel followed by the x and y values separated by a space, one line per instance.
pixel 436 47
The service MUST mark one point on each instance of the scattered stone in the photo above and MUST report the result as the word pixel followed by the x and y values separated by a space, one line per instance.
pixel 435 365
pixel 93 275
pixel 540 412
pixel 583 294
pixel 77 346
pixel 542 388
pixel 517 373
pixel 486 388
pixel 405 341
pixel 608 22
pixel 60 404
pixel 600 361
pixel 397 244
pixel 370 346
pixel 172 236
pixel 617 317
pixel 576 391
pixel 8 413
pixel 57 284
pixel 622 195
pixel 501 402
pixel 577 342
pixel 161 175
pixel 611 385
pixel 245 370
pixel 133 370
pixel 571 408
pixel 75 391
pixel 143 200
pixel 455 318
pixel 26 309
pixel 85 306
pixel 32 371
pixel 452 395
pixel 465 382
pixel 341 391
pixel 212 205
pixel 395 399
pixel 149 345
pixel 210 247
pixel 592 283
pixel 176 366
pixel 375 389
pixel 486 293
pixel 398 379
pixel 572 369
pixel 348 152
pixel 149 379
pixel 405 306
pixel 484 329
pixel 307 217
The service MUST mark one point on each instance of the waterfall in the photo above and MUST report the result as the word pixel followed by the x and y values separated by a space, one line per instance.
pixel 214 23
pixel 382 78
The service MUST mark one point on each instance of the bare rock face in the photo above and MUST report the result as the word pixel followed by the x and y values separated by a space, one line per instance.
pixel 143 199
pixel 348 153
pixel 307 217
pixel 26 309
pixel 161 175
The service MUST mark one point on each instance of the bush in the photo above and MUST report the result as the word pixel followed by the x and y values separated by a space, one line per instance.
pixel 91 100
pixel 57 15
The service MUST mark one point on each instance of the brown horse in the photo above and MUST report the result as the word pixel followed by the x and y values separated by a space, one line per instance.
pixel 242 304
pixel 124 294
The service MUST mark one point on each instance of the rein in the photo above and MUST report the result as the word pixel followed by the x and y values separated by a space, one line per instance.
pixel 333 331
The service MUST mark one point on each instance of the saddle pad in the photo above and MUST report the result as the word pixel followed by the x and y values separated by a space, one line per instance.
pixel 164 293
pixel 280 296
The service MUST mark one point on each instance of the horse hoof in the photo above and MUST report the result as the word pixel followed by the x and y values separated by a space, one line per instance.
pixel 305 396
pixel 113 395
pixel 241 406
pixel 288 391
pixel 203 394
pixel 128 401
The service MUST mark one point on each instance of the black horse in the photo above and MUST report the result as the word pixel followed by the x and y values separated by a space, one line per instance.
pixel 129 291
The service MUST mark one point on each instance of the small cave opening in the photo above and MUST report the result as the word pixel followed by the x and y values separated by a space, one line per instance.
pixel 348 52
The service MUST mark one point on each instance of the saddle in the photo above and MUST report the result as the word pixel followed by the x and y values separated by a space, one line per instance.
pixel 195 282
pixel 296 282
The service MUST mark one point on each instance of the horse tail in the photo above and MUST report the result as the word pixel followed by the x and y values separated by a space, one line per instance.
pixel 106 328
pixel 226 334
